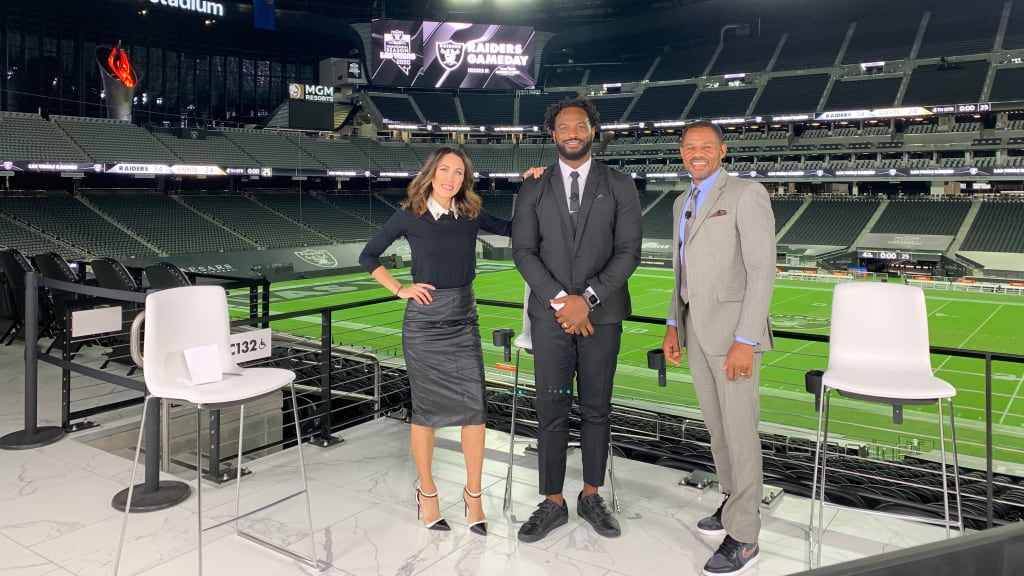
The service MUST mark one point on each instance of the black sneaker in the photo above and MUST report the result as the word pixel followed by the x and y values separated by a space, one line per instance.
pixel 544 519
pixel 712 525
pixel 593 510
pixel 733 557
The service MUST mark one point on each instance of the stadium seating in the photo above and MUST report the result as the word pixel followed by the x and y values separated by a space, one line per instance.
pixel 260 225
pixel 828 222
pixel 997 228
pixel 722 103
pixel 533 106
pixel 683 62
pixel 662 102
pixel 322 217
pixel 863 92
pixel 26 136
pixel 487 109
pixel 791 94
pixel 271 149
pixel 395 108
pixel 28 240
pixel 632 70
pixel 882 37
pixel 746 55
pixel 657 221
pixel 565 76
pixel 366 207
pixel 110 141
pixel 942 84
pixel 166 223
pixel 339 154
pixel 940 217
pixel 784 208
pixel 214 148
pixel 951 30
pixel 438 107
pixel 811 47
pixel 1008 84
pixel 72 221
pixel 491 157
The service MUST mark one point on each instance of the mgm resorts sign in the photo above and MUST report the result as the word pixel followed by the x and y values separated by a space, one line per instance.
pixel 311 92
pixel 199 6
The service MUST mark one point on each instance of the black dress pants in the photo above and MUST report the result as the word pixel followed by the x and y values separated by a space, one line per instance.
pixel 559 359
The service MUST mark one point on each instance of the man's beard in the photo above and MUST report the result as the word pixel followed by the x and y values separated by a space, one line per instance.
pixel 577 155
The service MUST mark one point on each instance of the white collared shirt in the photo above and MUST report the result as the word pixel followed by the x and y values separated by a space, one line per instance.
pixel 583 170
pixel 436 210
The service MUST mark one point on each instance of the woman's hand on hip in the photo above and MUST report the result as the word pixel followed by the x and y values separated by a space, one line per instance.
pixel 419 292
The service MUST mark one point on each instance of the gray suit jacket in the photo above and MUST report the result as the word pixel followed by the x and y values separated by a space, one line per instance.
pixel 603 253
pixel 730 265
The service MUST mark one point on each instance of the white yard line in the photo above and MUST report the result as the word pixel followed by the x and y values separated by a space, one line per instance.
pixel 980 326
pixel 787 354
pixel 1012 398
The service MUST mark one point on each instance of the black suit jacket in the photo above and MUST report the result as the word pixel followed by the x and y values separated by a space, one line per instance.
pixel 603 253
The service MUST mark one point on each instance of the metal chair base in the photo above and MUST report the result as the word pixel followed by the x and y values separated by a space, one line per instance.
pixel 815 532
pixel 313 561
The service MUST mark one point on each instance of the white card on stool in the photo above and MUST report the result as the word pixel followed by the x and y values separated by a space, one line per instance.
pixel 204 364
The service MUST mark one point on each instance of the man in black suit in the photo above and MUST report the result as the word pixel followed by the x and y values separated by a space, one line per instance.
pixel 576 239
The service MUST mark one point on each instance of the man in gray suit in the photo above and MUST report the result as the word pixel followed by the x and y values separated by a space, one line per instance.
pixel 576 239
pixel 724 273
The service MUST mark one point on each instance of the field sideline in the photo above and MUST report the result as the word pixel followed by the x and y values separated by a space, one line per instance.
pixel 961 320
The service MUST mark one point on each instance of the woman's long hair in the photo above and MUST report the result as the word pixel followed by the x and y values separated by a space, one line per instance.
pixel 466 201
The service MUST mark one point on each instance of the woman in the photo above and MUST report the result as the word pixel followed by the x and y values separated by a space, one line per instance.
pixel 440 334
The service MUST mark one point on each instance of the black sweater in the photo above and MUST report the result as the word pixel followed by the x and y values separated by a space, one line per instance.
pixel 443 251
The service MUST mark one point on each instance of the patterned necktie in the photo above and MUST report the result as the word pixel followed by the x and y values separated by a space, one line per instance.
pixel 688 217
pixel 574 198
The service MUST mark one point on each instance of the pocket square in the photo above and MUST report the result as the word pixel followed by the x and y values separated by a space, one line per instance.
pixel 717 213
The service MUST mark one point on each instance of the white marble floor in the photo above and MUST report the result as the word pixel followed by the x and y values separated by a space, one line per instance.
pixel 56 518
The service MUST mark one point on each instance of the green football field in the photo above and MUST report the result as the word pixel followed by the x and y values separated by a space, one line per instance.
pixel 977 321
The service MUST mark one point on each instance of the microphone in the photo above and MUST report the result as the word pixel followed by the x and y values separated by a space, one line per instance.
pixel 688 214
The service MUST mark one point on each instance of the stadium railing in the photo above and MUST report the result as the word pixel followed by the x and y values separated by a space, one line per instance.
pixel 350 369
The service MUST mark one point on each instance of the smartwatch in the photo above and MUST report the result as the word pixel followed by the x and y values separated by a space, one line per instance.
pixel 592 300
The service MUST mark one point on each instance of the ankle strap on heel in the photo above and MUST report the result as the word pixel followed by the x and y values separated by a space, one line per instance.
pixel 472 495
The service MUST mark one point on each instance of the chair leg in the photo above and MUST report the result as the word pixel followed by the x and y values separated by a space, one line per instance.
pixel 956 471
pixel 512 436
pixel 302 469
pixel 945 486
pixel 199 485
pixel 814 533
pixel 238 465
pixel 131 486
pixel 945 476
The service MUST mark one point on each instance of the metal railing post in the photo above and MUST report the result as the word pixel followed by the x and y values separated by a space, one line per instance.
pixel 31 436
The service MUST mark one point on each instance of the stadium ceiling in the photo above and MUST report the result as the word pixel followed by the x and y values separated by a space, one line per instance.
pixel 551 15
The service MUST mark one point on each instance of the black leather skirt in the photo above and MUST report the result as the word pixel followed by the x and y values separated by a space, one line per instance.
pixel 443 355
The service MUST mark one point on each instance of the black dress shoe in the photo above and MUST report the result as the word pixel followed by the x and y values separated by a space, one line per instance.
pixel 544 519
pixel 593 509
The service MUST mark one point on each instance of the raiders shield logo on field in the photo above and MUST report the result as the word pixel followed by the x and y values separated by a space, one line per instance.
pixel 450 54
pixel 321 258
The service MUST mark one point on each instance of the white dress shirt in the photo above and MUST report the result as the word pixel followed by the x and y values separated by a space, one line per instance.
pixel 567 171
pixel 436 210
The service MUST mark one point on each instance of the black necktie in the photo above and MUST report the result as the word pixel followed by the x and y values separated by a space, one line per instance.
pixel 574 198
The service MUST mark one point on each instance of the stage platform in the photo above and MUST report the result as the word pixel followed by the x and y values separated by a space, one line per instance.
pixel 56 518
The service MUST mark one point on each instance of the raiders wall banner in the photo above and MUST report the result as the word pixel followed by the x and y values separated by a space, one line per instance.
pixel 452 55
